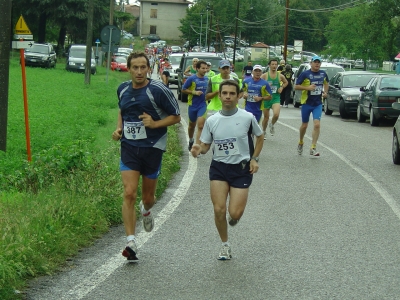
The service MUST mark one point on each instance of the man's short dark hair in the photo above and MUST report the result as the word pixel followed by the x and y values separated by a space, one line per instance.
pixel 199 63
pixel 137 54
pixel 271 60
pixel 229 82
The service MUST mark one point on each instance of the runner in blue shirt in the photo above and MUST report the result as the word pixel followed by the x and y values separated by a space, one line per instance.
pixel 255 91
pixel 146 108
pixel 314 85
pixel 196 87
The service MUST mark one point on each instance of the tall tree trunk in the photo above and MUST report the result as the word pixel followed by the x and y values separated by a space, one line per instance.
pixel 61 39
pixel 42 27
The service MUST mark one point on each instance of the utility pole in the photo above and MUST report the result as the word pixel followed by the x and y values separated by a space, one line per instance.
pixel 236 30
pixel 201 27
pixel 111 22
pixel 286 31
pixel 207 8
pixel 89 40
pixel 5 32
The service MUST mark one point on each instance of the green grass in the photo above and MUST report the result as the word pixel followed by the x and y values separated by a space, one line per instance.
pixel 71 192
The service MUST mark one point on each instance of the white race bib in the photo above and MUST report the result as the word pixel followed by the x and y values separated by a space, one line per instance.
pixel 317 91
pixel 134 130
pixel 250 97
pixel 226 147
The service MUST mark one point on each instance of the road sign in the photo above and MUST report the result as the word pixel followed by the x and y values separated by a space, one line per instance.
pixel 21 44
pixel 21 27
pixel 23 36
pixel 110 34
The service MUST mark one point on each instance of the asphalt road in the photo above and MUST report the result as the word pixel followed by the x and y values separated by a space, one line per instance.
pixel 324 228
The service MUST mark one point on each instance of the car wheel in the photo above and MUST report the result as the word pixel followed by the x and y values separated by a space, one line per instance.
pixel 373 120
pixel 395 149
pixel 327 111
pixel 184 98
pixel 179 94
pixel 360 117
pixel 342 110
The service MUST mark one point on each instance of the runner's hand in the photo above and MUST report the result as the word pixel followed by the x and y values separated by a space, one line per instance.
pixel 195 151
pixel 147 120
pixel 117 134
pixel 253 166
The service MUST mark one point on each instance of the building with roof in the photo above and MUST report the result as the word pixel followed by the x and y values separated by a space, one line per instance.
pixel 259 50
pixel 162 17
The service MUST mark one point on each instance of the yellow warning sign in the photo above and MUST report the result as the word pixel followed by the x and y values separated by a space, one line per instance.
pixel 21 27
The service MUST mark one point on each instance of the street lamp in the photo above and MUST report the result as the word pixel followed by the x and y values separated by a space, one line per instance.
pixel 201 27
pixel 207 8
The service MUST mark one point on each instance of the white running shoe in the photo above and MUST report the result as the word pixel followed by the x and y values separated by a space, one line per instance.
pixel 314 153
pixel 148 220
pixel 130 251
pixel 300 149
pixel 265 135
pixel 271 128
pixel 225 253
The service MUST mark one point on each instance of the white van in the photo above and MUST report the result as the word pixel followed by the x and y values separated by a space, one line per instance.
pixel 161 43
pixel 76 59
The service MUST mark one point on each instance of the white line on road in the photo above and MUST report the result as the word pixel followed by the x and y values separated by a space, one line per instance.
pixel 375 184
pixel 103 272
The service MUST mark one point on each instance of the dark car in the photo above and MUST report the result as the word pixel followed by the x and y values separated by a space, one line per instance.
pixel 151 37
pixel 344 90
pixel 396 136
pixel 186 61
pixel 41 55
pixel 376 98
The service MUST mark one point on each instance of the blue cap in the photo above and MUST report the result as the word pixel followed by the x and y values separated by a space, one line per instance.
pixel 224 63
pixel 316 57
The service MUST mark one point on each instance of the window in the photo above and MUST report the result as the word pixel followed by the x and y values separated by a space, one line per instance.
pixel 153 29
pixel 153 13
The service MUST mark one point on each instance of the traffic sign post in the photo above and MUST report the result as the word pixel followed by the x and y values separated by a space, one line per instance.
pixel 97 51
pixel 22 30
pixel 110 35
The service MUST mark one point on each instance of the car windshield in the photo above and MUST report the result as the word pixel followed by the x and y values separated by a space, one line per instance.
pixel 213 60
pixel 331 71
pixel 356 80
pixel 390 83
pixel 39 49
pixel 175 60
pixel 120 59
pixel 81 52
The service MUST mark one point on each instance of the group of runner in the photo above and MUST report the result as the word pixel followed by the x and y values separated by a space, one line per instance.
pixel 148 107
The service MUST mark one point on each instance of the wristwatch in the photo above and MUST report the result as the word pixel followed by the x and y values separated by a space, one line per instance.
pixel 255 158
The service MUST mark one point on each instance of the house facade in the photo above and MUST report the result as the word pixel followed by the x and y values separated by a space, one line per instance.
pixel 162 17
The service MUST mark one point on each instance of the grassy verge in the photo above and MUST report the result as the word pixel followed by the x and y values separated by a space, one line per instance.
pixel 71 191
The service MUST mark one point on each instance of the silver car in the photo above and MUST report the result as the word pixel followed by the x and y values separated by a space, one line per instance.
pixel 174 60
pixel 396 136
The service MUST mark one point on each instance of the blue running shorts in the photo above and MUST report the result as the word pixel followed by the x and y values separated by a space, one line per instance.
pixel 197 112
pixel 307 109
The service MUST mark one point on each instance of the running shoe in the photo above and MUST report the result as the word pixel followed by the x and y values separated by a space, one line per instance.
pixel 300 149
pixel 286 106
pixel 225 253
pixel 148 220
pixel 231 221
pixel 190 145
pixel 265 135
pixel 271 129
pixel 314 153
pixel 130 251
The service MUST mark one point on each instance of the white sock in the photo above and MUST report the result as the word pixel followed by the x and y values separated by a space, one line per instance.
pixel 143 210
pixel 226 243
pixel 131 238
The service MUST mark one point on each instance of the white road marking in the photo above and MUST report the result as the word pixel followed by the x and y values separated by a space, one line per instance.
pixel 103 272
pixel 371 180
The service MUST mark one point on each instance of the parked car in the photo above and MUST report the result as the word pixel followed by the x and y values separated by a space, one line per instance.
pixel 174 60
pixel 41 55
pixel 119 63
pixel 176 49
pixel 330 69
pixel 376 98
pixel 297 57
pixel 76 59
pixel 396 135
pixel 307 55
pixel 344 90
pixel 125 50
pixel 151 37
pixel 186 61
